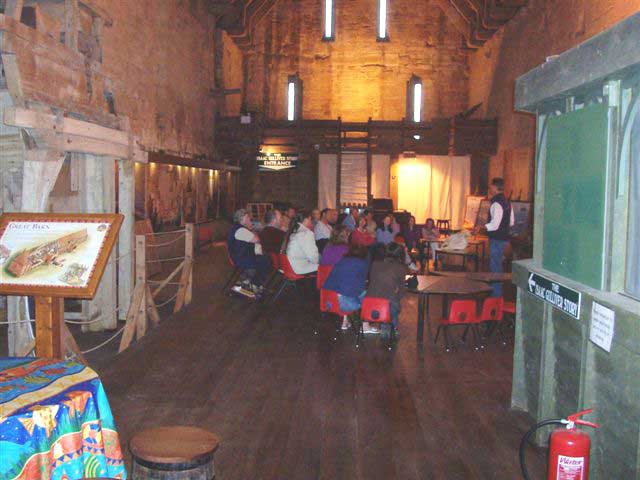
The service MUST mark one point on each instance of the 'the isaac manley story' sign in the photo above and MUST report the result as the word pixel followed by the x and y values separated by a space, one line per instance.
pixel 270 162
pixel 561 297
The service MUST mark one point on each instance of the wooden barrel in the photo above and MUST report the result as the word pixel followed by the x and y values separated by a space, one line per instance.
pixel 173 453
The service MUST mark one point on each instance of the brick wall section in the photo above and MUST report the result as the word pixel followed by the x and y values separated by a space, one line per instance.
pixel 160 57
pixel 355 76
pixel 540 30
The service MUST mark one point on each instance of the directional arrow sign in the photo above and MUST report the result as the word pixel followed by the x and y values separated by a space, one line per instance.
pixel 561 297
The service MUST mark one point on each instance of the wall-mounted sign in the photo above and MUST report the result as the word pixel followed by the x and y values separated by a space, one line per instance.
pixel 603 322
pixel 561 297
pixel 61 255
pixel 270 162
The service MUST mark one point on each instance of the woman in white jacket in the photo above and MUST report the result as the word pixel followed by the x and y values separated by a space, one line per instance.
pixel 301 249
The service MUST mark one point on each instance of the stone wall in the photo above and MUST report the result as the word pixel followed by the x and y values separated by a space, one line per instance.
pixel 355 76
pixel 540 30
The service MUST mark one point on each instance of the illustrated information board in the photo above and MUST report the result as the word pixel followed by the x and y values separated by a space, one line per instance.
pixel 55 255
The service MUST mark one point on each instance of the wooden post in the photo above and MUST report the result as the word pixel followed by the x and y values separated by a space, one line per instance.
pixel 49 316
pixel 141 279
pixel 125 240
pixel 189 241
pixel 13 9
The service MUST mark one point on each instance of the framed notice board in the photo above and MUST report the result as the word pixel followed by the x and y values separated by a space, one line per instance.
pixel 574 197
pixel 55 255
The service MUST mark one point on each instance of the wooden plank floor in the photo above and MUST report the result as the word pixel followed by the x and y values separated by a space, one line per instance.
pixel 291 405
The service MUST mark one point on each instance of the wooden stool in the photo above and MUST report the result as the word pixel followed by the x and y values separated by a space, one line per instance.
pixel 443 224
pixel 173 453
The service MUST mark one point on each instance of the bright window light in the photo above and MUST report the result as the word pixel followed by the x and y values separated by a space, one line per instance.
pixel 328 18
pixel 291 101
pixel 382 19
pixel 417 102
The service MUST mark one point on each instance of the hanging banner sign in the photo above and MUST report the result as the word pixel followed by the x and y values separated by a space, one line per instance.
pixel 270 162
pixel 561 297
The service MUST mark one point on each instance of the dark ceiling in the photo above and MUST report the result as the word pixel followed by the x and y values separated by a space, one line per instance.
pixel 477 20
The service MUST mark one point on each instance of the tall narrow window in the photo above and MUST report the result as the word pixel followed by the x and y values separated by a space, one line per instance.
pixel 414 99
pixel 382 20
pixel 294 97
pixel 328 20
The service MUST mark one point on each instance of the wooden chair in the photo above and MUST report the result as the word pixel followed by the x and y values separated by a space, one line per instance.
pixel 377 310
pixel 176 452
pixel 443 224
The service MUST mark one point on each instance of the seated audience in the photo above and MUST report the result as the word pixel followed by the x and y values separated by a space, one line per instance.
pixel 371 223
pixel 349 278
pixel 387 231
pixel 387 279
pixel 361 235
pixel 337 247
pixel 322 230
pixel 246 253
pixel 412 234
pixel 272 236
pixel 287 216
pixel 430 233
pixel 351 220
pixel 301 248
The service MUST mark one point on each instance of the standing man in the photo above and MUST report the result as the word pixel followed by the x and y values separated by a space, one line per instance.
pixel 501 218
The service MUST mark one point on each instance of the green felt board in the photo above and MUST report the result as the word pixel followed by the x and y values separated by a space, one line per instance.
pixel 575 186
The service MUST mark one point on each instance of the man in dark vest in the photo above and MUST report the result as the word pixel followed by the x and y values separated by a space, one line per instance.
pixel 246 253
pixel 501 219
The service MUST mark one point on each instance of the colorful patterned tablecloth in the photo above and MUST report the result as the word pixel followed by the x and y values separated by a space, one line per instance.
pixel 55 422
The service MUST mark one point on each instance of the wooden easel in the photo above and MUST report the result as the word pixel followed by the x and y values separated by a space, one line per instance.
pixel 52 337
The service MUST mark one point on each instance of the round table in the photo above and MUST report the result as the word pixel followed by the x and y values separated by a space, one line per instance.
pixel 487 277
pixel 447 287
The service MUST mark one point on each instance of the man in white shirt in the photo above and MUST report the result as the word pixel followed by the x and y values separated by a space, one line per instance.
pixel 501 219
pixel 322 230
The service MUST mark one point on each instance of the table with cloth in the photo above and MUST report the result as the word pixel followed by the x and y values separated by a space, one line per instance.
pixel 55 422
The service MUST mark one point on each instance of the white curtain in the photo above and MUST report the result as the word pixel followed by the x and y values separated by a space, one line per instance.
pixel 380 165
pixel 434 187
pixel 327 180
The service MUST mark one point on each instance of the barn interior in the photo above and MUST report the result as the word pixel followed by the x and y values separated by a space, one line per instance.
pixel 173 124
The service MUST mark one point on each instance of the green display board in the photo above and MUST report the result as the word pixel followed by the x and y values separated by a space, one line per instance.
pixel 574 199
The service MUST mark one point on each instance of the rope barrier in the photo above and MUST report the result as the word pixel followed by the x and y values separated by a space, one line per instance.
pixel 93 349
pixel 172 232
pixel 95 320
pixel 167 302
pixel 166 260
pixel 155 245
pixel 17 322
pixel 155 282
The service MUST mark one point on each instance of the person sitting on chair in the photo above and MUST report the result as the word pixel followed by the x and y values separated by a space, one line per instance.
pixel 348 279
pixel 387 232
pixel 361 234
pixel 301 247
pixel 337 247
pixel 322 229
pixel 272 236
pixel 246 253
pixel 387 279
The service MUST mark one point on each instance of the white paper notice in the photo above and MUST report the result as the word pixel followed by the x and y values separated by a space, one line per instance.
pixel 603 322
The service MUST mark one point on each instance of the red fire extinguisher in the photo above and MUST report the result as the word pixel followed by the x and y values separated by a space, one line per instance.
pixel 568 448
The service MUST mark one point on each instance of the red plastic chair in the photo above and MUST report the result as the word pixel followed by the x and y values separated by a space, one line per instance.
pixel 509 307
pixel 291 278
pixel 492 313
pixel 377 310
pixel 234 275
pixel 462 313
pixel 323 274
pixel 330 303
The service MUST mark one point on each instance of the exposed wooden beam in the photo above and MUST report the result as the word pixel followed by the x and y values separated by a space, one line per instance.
pixel 13 9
